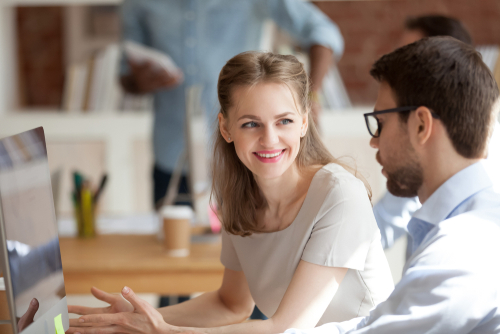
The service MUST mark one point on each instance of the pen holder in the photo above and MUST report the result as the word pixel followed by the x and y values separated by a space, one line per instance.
pixel 85 215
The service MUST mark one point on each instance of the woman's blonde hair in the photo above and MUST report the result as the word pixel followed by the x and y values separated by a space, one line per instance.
pixel 234 189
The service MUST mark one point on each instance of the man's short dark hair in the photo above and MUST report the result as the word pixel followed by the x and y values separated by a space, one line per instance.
pixel 448 77
pixel 438 25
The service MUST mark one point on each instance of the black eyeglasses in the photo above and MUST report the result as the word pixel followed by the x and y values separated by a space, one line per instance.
pixel 373 125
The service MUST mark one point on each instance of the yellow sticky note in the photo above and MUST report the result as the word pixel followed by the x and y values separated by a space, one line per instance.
pixel 59 325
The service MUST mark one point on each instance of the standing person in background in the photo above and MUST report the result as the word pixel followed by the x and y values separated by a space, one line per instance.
pixel 201 36
pixel 393 213
pixel 433 25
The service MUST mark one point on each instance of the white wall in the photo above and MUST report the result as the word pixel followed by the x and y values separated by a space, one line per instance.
pixel 117 132
pixel 8 60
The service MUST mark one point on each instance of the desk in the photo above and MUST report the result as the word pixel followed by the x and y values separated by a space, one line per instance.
pixel 110 262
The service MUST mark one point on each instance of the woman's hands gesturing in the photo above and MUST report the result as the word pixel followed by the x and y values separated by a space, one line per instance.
pixel 116 304
pixel 139 317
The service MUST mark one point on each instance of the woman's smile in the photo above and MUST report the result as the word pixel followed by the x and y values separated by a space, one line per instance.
pixel 269 156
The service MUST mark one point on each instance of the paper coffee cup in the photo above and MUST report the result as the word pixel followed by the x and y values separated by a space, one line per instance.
pixel 177 229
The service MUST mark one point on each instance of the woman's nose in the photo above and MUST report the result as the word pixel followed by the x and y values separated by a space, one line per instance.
pixel 269 137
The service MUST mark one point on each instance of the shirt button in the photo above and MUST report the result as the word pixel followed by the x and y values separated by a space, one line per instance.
pixel 190 42
pixel 191 70
pixel 189 16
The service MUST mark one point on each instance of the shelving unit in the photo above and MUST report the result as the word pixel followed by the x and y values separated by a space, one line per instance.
pixel 8 45
pixel 116 130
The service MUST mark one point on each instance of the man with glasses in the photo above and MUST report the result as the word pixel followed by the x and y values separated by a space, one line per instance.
pixel 393 213
pixel 435 112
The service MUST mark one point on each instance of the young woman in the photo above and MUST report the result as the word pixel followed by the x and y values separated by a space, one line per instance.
pixel 299 238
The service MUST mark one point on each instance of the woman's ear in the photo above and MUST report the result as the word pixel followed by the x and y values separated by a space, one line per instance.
pixel 223 127
pixel 305 124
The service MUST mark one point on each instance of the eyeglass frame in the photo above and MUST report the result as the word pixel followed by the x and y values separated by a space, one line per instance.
pixel 386 111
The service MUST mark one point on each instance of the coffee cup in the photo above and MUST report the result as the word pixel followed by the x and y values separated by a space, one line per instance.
pixel 177 229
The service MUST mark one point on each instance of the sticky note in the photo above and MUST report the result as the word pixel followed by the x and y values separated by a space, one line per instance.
pixel 59 325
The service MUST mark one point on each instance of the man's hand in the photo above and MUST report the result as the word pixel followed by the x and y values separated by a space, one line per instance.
pixel 146 78
pixel 27 318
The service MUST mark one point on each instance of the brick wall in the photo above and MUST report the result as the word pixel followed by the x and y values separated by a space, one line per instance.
pixel 373 28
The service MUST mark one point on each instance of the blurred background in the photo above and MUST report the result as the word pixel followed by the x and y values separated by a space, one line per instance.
pixel 47 47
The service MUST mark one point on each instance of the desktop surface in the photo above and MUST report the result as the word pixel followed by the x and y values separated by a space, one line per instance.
pixel 110 262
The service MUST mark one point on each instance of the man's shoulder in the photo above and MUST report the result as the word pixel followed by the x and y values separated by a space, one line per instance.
pixel 470 240
pixel 485 200
pixel 473 224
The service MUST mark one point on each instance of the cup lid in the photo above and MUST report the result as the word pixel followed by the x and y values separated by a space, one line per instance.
pixel 177 212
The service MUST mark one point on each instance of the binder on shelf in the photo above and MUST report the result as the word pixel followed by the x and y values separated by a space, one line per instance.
pixel 93 86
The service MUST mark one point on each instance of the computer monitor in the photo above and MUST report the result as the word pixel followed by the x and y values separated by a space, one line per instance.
pixel 29 242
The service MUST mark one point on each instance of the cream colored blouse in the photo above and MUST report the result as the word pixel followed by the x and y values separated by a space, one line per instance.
pixel 335 227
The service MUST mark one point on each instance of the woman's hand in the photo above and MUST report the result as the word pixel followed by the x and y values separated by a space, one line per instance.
pixel 116 304
pixel 144 318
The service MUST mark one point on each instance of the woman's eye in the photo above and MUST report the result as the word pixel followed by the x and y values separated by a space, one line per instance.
pixel 286 121
pixel 249 125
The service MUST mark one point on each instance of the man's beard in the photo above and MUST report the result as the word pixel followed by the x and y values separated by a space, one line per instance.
pixel 404 181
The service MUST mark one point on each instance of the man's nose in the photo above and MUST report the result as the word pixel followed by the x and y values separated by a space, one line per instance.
pixel 374 142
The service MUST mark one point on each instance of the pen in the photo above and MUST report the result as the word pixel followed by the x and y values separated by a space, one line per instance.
pixel 101 186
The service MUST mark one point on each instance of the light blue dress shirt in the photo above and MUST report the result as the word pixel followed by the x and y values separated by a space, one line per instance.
pixel 451 283
pixel 393 213
pixel 200 36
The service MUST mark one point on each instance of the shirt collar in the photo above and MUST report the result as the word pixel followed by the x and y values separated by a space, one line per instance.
pixel 454 191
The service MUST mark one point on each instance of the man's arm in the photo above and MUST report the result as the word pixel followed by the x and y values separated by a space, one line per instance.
pixel 144 79
pixel 447 288
pixel 438 301
pixel 314 31
pixel 141 78
pixel 321 59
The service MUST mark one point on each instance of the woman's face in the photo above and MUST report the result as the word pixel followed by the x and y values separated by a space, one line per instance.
pixel 265 126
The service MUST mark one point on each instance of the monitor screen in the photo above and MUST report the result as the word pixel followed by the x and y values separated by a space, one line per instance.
pixel 30 225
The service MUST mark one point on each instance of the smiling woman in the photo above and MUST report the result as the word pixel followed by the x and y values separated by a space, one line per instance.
pixel 265 105
pixel 300 239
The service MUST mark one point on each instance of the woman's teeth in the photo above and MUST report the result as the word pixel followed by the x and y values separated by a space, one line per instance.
pixel 273 155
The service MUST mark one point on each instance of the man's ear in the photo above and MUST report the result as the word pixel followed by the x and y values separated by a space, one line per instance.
pixel 223 127
pixel 420 126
